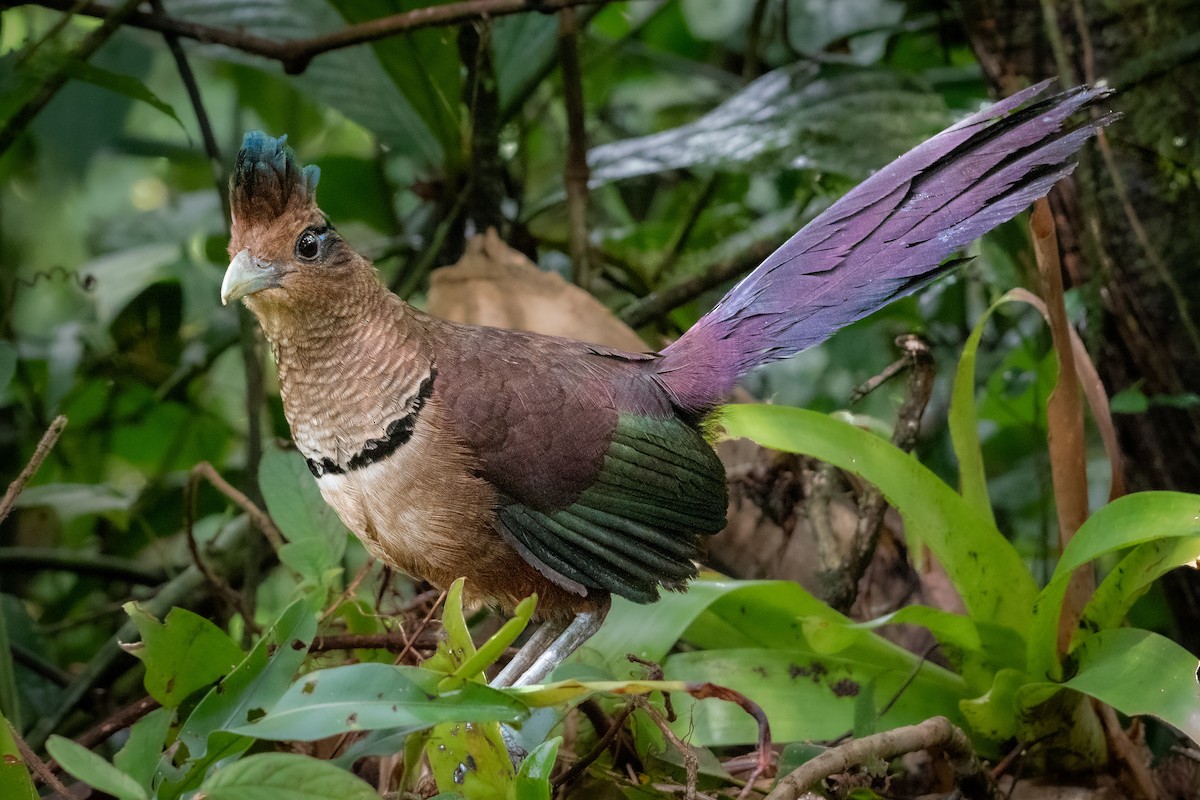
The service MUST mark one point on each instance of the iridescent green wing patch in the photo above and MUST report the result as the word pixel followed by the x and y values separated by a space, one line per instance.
pixel 638 526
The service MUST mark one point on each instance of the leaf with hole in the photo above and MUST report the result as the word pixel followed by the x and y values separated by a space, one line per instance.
pixel 360 697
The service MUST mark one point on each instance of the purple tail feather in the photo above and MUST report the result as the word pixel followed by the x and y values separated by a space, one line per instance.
pixel 888 237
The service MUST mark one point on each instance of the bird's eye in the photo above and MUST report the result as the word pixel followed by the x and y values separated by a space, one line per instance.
pixel 308 246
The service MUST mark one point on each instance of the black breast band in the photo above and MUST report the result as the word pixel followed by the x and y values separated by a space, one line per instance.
pixel 398 432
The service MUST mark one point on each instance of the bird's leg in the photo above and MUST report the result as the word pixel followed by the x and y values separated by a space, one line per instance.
pixel 548 648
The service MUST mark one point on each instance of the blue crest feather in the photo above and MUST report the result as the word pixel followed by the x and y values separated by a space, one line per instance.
pixel 267 178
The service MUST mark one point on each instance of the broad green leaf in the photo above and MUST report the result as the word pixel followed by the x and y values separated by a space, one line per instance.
pixel 351 80
pixel 123 275
pixel 471 757
pixel 14 777
pixel 715 20
pixel 359 697
pixel 523 45
pixel 425 66
pixel 533 779
pixel 126 85
pixel 805 696
pixel 1127 521
pixel 560 692
pixel 993 715
pixel 257 683
pixel 183 653
pixel 141 753
pixel 987 571
pixel 1130 579
pixel 94 770
pixel 976 652
pixel 71 500
pixel 284 776
pixel 629 629
pixel 295 502
pixel 846 123
pixel 1140 672
pixel 853 26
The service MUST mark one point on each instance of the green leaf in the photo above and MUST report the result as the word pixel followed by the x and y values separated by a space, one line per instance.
pixel 533 779
pixel 126 85
pixel 629 629
pixel 793 115
pixel 993 715
pixel 1136 672
pixel 351 80
pixel 806 695
pixel 14 776
pixel 853 26
pixel 977 651
pixel 425 66
pixel 987 571
pixel 183 653
pixel 121 276
pixel 94 770
pixel 295 502
pixel 523 46
pixel 1127 521
pixel 963 422
pixel 71 500
pixel 316 536
pixel 715 20
pixel 457 646
pixel 474 666
pixel 284 776
pixel 359 697
pixel 1131 578
pixel 140 755
pixel 471 757
pixel 257 683
pixel 8 366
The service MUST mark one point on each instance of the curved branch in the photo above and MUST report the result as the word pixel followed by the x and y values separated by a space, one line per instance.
pixel 296 54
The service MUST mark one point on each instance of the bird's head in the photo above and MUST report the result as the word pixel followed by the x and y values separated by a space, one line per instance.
pixel 285 255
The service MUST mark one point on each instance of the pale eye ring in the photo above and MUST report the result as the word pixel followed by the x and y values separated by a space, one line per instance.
pixel 308 246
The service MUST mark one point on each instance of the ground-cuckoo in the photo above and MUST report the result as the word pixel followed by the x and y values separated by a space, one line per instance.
pixel 528 463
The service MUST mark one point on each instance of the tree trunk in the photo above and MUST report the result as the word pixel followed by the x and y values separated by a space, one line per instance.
pixel 1130 225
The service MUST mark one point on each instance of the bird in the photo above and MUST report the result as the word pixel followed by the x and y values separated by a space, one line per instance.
pixel 533 464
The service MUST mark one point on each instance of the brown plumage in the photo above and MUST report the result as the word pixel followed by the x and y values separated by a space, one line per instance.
pixel 529 463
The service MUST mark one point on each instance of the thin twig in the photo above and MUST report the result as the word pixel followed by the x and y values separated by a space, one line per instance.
pixel 655 305
pixel 47 88
pixel 188 77
pixel 421 627
pixel 24 559
pixel 392 641
pixel 588 758
pixel 260 518
pixel 937 733
pixel 40 768
pixel 234 598
pixel 296 54
pixel 575 170
pixel 35 463
pixel 691 761
pixel 840 585
pixel 34 663
pixel 119 720
pixel 700 203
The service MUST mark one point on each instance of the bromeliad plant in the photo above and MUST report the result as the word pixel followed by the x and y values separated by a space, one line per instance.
pixel 819 674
